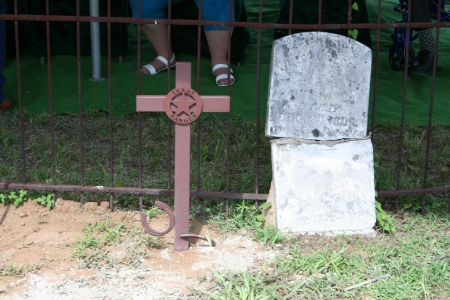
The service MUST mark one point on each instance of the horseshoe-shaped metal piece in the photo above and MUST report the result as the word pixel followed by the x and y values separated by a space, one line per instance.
pixel 196 236
pixel 169 212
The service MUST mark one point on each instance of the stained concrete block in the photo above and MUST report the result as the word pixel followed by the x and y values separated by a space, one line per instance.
pixel 319 87
pixel 324 187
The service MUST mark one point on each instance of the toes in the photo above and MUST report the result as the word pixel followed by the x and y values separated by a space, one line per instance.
pixel 144 71
pixel 226 81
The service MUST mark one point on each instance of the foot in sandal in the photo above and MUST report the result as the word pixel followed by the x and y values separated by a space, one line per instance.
pixel 221 73
pixel 158 65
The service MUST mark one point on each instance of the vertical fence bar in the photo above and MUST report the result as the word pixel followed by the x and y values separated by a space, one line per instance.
pixel 50 95
pixel 430 113
pixel 19 96
pixel 291 13
pixel 258 100
pixel 319 17
pixel 111 118
pixel 230 19
pixel 375 83
pixel 170 125
pixel 140 163
pixel 80 103
pixel 349 13
pixel 198 122
pixel 402 120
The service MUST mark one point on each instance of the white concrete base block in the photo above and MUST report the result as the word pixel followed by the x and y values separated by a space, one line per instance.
pixel 324 187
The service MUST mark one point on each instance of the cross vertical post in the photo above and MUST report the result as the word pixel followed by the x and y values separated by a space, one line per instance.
pixel 182 105
pixel 182 167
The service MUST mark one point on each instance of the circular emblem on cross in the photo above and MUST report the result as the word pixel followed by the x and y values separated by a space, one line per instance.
pixel 183 105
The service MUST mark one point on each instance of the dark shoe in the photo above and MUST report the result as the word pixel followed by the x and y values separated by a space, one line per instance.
pixel 424 61
pixel 5 105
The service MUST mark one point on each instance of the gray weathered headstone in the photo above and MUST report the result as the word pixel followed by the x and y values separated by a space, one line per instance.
pixel 319 87
pixel 323 176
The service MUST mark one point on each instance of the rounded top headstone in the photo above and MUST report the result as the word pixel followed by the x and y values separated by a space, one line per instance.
pixel 319 87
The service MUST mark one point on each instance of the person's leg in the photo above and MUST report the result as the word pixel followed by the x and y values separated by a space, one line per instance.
pixel 217 36
pixel 157 34
pixel 420 13
pixel 218 47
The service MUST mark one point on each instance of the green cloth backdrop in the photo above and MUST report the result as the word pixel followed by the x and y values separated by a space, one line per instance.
pixel 244 96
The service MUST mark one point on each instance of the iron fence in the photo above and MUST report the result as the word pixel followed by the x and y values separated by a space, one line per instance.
pixel 376 26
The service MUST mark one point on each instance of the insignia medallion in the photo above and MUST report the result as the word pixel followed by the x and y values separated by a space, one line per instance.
pixel 183 105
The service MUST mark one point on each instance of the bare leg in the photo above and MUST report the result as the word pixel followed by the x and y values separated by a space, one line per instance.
pixel 159 38
pixel 218 47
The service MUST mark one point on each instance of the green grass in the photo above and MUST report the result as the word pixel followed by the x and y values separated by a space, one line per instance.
pixel 211 159
pixel 125 172
pixel 411 263
pixel 12 269
pixel 94 249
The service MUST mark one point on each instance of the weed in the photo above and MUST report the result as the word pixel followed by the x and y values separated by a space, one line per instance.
pixel 46 200
pixel 19 199
pixel 384 220
pixel 93 248
pixel 13 198
pixel 14 270
pixel 269 235
pixel 153 212
pixel 244 286
pixel 151 241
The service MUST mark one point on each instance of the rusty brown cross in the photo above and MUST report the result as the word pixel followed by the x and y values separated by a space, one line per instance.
pixel 182 105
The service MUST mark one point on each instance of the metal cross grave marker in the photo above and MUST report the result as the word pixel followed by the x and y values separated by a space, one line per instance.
pixel 182 105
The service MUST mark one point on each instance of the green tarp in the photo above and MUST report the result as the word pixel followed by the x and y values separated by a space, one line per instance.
pixel 246 102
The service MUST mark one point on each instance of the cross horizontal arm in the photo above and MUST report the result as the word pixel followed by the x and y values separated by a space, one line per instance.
pixel 146 103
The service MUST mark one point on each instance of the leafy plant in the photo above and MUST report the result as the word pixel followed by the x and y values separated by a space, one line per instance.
pixel 18 199
pixel 269 234
pixel 260 217
pixel 384 220
pixel 13 198
pixel 153 212
pixel 46 200
pixel 354 32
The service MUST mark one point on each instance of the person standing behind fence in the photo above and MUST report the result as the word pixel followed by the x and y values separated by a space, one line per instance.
pixel 5 103
pixel 157 34
pixel 420 13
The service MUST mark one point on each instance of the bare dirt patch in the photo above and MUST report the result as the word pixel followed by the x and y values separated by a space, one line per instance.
pixel 37 244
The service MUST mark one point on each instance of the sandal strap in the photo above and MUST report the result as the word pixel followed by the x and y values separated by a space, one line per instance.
pixel 173 58
pixel 163 60
pixel 220 66
pixel 150 68
pixel 224 76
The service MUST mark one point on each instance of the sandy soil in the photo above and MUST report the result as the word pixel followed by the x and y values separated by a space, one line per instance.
pixel 43 240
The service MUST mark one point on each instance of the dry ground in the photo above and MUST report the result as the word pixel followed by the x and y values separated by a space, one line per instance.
pixel 43 240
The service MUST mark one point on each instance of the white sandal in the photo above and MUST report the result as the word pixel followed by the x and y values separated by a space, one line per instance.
pixel 152 69
pixel 223 76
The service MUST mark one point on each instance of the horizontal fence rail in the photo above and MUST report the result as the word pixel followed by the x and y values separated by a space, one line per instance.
pixel 113 135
